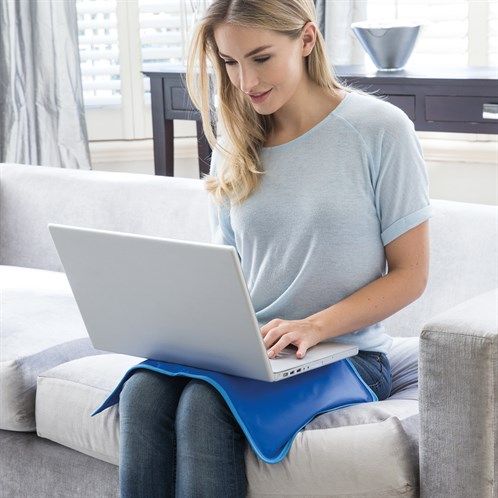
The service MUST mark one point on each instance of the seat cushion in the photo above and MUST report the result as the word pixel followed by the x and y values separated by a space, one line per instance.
pixel 361 450
pixel 41 327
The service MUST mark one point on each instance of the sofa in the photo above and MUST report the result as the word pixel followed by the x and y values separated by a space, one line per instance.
pixel 435 436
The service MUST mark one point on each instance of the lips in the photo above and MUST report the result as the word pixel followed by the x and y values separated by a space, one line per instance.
pixel 258 98
pixel 258 94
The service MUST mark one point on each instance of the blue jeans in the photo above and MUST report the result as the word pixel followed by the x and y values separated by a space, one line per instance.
pixel 179 438
pixel 375 370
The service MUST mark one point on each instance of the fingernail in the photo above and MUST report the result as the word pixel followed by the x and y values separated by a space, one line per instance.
pixel 270 353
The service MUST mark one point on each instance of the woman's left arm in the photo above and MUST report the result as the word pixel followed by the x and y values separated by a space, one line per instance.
pixel 408 265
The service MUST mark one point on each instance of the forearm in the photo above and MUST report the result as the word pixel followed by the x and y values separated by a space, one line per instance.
pixel 370 304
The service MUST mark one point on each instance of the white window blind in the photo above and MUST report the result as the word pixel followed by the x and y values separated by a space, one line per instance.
pixel 165 28
pixel 161 36
pixel 99 52
pixel 493 35
pixel 443 41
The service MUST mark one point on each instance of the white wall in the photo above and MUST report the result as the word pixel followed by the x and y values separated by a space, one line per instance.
pixel 476 183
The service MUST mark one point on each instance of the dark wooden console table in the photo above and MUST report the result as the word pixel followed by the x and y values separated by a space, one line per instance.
pixel 461 100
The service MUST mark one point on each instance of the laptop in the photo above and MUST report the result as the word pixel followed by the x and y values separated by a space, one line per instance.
pixel 176 301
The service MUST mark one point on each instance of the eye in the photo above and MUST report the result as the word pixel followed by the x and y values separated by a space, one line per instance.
pixel 260 61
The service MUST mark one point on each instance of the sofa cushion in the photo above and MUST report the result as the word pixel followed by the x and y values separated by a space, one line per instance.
pixel 403 357
pixel 356 450
pixel 41 328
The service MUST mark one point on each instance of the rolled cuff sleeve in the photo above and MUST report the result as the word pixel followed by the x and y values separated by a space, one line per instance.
pixel 406 223
pixel 401 181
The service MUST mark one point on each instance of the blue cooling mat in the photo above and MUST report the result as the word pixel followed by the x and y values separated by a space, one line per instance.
pixel 271 413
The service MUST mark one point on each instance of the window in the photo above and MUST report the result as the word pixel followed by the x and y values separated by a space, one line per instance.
pixel 444 37
pixel 493 34
pixel 120 38
pixel 161 36
pixel 99 52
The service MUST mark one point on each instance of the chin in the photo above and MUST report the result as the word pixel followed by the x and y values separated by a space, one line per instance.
pixel 267 111
pixel 264 113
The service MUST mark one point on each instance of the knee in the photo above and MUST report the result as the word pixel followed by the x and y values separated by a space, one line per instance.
pixel 200 403
pixel 134 390
pixel 143 395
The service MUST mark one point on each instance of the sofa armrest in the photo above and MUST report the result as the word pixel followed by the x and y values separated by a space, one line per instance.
pixel 458 375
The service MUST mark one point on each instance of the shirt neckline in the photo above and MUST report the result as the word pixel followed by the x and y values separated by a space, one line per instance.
pixel 311 130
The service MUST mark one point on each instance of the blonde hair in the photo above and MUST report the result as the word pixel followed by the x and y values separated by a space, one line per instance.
pixel 246 130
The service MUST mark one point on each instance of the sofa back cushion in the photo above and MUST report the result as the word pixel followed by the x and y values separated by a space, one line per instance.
pixel 464 236
pixel 32 196
pixel 463 262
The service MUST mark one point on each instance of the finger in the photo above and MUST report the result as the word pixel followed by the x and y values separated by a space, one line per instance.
pixel 274 335
pixel 271 324
pixel 301 351
pixel 284 341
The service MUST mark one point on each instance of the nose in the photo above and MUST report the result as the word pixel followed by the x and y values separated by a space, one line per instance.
pixel 248 79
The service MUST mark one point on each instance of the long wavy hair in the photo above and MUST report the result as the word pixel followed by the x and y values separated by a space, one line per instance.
pixel 245 129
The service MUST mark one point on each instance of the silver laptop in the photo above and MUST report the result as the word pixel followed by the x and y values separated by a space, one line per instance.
pixel 175 301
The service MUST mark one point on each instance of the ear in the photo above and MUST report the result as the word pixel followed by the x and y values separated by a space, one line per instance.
pixel 309 37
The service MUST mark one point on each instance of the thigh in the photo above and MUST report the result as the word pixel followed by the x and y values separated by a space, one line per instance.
pixel 204 420
pixel 210 445
pixel 375 370
pixel 147 453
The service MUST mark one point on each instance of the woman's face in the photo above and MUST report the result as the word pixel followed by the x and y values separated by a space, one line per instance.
pixel 278 68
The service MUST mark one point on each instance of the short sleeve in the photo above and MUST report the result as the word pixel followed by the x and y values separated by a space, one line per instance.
pixel 219 216
pixel 401 185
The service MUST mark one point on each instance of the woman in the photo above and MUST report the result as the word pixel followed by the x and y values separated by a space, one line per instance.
pixel 317 186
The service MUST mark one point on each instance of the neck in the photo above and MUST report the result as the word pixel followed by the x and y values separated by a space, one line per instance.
pixel 303 111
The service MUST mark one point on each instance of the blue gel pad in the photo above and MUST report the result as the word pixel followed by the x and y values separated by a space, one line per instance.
pixel 271 413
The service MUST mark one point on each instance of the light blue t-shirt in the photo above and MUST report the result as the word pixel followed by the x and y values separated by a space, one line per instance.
pixel 314 231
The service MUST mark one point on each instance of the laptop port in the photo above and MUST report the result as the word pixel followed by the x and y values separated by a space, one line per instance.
pixel 286 373
pixel 298 370
pixel 292 371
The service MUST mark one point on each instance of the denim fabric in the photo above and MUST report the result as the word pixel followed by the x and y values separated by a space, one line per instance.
pixel 179 438
pixel 375 370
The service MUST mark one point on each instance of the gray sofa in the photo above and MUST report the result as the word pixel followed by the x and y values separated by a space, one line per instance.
pixel 440 443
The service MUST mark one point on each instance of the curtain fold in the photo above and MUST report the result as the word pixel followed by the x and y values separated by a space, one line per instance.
pixel 42 114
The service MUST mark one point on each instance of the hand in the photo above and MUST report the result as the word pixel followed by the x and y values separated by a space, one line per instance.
pixel 278 333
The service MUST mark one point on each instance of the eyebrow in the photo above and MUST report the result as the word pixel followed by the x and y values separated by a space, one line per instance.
pixel 252 52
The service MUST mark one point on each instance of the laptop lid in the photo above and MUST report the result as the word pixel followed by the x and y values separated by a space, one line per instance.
pixel 166 299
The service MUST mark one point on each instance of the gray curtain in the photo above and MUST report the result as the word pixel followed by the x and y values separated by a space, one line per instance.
pixel 42 115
